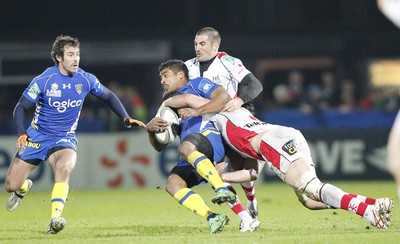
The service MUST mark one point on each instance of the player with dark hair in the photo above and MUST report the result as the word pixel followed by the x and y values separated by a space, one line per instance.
pixel 200 143
pixel 287 153
pixel 239 82
pixel 57 95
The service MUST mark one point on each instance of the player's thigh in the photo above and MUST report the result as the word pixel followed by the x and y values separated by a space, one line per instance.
pixel 236 161
pixel 298 171
pixel 280 147
pixel 208 142
pixel 215 138
pixel 187 174
pixel 18 171
pixel 174 184
pixel 63 160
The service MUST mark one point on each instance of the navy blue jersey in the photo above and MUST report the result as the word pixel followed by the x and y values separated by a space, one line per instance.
pixel 59 99
pixel 201 87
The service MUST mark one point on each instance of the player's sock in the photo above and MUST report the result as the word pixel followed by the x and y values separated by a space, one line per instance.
pixel 249 190
pixel 239 210
pixel 335 197
pixel 193 202
pixel 58 198
pixel 205 168
pixel 367 200
pixel 24 186
pixel 237 207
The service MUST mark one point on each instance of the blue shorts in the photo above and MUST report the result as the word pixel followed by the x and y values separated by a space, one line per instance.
pixel 187 172
pixel 40 146
pixel 214 136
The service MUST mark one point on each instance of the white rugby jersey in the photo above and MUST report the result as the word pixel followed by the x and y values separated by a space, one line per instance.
pixel 225 70
pixel 237 128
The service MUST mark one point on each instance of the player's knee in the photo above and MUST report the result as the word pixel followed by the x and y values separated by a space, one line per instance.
pixel 309 185
pixel 7 185
pixel 10 186
pixel 170 187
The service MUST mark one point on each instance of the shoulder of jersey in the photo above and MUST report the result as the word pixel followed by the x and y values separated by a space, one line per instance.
pixel 191 61
pixel 222 54
pixel 226 58
pixel 49 72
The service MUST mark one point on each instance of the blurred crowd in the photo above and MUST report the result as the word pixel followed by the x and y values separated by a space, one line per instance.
pixel 130 97
pixel 310 97
pixel 330 93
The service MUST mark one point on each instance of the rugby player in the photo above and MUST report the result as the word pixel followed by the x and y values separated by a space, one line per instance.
pixel 57 96
pixel 287 153
pixel 238 81
pixel 200 143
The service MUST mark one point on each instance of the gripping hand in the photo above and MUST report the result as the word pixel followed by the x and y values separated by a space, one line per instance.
pixel 22 141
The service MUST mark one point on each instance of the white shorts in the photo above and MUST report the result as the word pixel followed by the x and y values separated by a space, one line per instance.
pixel 281 146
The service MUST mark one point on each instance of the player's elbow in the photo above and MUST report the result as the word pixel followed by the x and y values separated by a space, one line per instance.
pixel 253 174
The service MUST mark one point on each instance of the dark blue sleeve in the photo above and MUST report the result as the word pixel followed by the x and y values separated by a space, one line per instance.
pixel 19 114
pixel 114 103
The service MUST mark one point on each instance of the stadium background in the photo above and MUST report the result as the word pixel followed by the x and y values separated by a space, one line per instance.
pixel 124 41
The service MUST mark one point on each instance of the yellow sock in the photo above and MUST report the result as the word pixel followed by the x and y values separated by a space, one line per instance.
pixel 192 201
pixel 24 186
pixel 58 198
pixel 205 168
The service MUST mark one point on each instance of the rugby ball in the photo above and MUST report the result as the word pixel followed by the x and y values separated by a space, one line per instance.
pixel 168 135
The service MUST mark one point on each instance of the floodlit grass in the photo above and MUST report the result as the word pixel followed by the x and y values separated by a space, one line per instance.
pixel 152 216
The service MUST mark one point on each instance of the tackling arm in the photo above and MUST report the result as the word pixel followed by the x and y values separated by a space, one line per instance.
pixel 219 98
pixel 185 100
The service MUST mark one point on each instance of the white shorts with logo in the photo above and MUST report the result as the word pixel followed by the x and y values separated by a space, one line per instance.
pixel 281 146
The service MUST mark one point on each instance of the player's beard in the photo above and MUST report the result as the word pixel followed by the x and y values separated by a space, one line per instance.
pixel 71 73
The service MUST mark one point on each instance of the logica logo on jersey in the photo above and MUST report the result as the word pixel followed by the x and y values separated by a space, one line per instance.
pixel 63 105
pixel 290 147
pixel 53 92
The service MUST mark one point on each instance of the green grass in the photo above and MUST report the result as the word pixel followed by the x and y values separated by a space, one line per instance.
pixel 152 216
